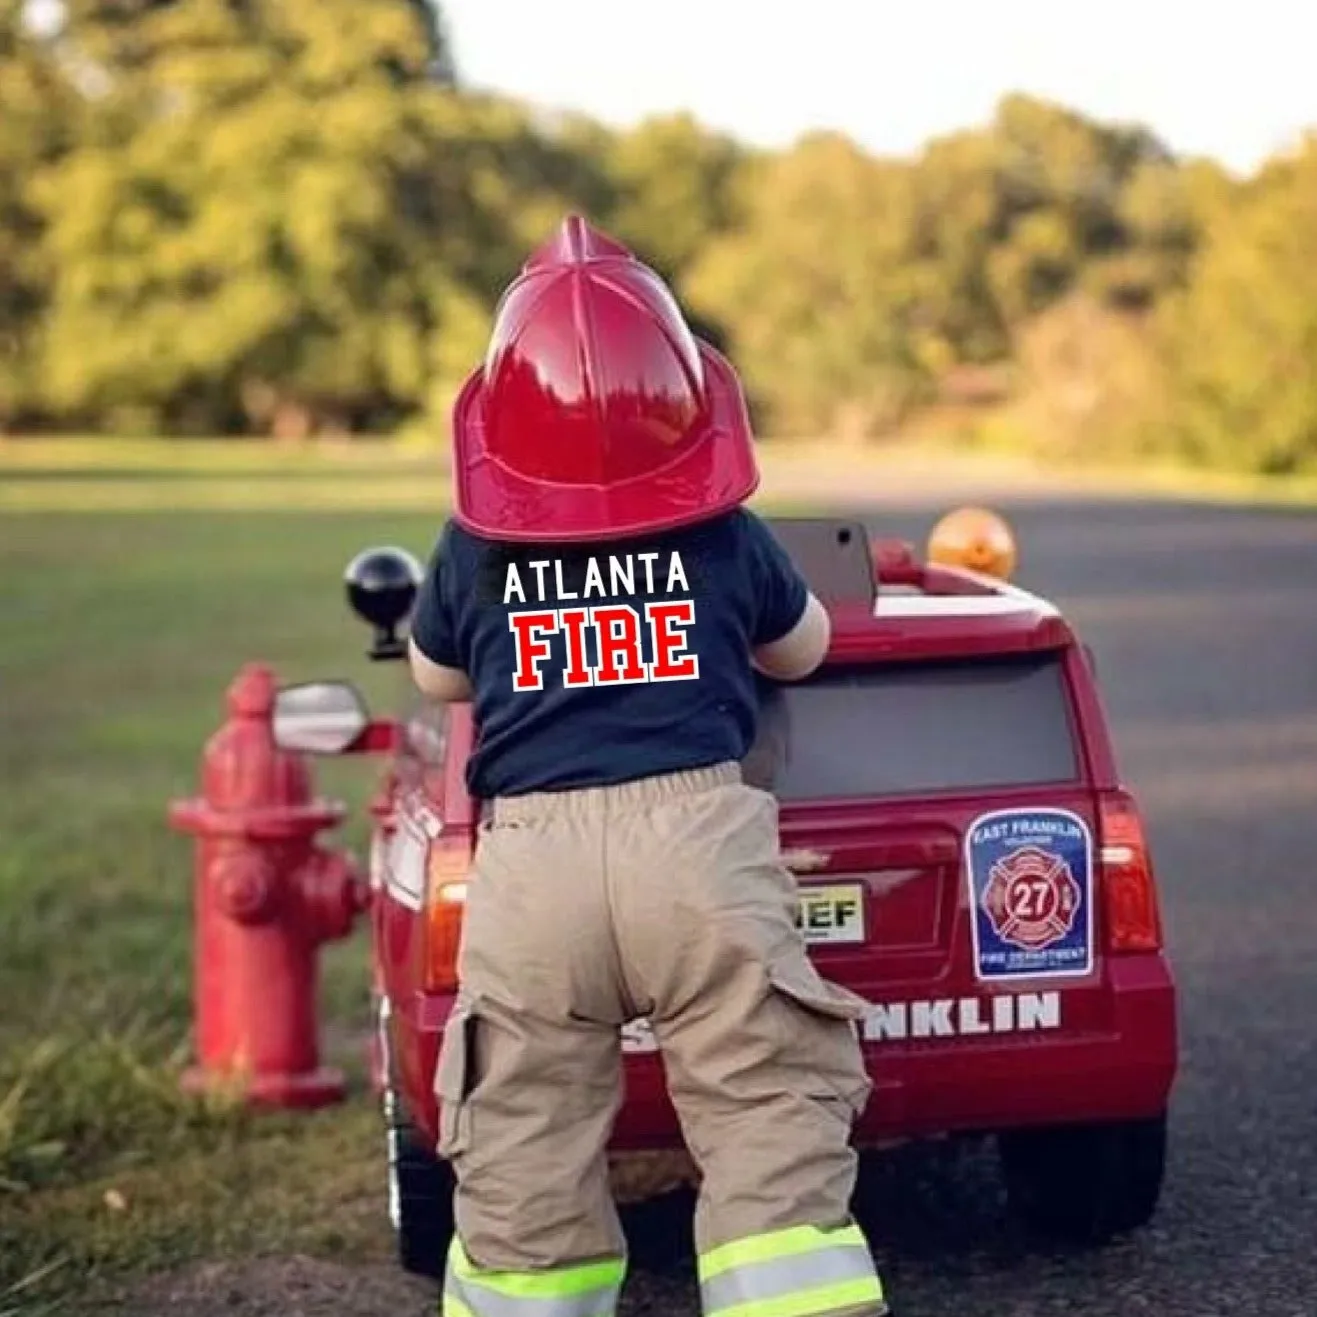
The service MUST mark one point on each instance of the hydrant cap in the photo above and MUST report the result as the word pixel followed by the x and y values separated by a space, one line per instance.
pixel 252 693
pixel 242 767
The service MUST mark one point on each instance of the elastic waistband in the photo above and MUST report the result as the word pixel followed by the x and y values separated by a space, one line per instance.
pixel 642 792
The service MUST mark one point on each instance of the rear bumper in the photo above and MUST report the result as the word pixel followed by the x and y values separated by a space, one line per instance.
pixel 1121 1072
pixel 925 1086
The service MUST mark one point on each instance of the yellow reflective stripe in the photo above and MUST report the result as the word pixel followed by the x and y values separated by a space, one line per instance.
pixel 452 1306
pixel 557 1283
pixel 564 1284
pixel 775 1244
pixel 810 1303
pixel 490 1303
pixel 767 1282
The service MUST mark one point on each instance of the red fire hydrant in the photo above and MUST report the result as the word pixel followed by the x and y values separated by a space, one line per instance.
pixel 267 897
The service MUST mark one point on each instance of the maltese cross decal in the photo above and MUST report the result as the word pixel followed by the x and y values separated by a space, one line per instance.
pixel 1032 898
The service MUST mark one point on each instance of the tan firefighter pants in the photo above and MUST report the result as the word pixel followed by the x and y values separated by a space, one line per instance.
pixel 663 898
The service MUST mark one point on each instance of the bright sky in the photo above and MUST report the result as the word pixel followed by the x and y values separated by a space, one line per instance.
pixel 1217 77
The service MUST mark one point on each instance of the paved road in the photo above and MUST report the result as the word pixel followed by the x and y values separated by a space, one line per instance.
pixel 1204 622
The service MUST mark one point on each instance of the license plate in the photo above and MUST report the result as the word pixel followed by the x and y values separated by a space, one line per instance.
pixel 831 914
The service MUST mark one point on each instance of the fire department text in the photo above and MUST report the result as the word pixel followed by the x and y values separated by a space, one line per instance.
pixel 949 1017
pixel 616 630
pixel 621 578
pixel 944 1017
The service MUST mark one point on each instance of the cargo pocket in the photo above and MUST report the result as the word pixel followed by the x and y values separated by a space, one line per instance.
pixel 454 1077
pixel 795 977
pixel 818 1024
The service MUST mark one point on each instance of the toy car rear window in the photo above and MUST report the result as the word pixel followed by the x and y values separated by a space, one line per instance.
pixel 914 728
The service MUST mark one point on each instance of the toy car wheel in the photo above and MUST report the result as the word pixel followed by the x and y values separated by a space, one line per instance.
pixel 421 1196
pixel 1084 1184
pixel 420 1182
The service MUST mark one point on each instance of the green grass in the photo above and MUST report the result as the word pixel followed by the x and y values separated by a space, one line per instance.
pixel 120 635
pixel 47 476
pixel 133 476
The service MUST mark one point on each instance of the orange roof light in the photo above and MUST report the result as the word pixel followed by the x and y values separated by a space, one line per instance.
pixel 976 538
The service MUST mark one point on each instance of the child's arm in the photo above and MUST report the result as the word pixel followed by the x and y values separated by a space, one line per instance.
pixel 432 651
pixel 437 680
pixel 801 650
pixel 791 629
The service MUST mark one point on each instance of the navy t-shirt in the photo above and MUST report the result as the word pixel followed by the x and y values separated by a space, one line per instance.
pixel 601 663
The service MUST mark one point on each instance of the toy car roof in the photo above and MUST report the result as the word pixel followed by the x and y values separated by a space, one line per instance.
pixel 887 604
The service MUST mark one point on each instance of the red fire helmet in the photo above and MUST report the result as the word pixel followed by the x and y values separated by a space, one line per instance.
pixel 597 415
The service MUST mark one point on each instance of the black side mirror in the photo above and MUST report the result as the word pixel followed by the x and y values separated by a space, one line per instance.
pixel 381 587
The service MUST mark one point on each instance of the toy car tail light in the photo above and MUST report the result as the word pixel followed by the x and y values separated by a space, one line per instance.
pixel 1129 889
pixel 445 904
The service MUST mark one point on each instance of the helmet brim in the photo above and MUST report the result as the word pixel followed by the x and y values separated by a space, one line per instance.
pixel 712 475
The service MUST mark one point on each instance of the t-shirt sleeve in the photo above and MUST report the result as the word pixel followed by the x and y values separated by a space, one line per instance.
pixel 434 616
pixel 780 592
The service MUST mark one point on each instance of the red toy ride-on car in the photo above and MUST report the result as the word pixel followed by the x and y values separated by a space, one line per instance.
pixel 968 861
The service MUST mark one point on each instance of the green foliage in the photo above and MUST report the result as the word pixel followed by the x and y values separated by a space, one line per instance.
pixel 819 291
pixel 36 108
pixel 290 218
pixel 96 888
pixel 673 184
pixel 248 232
pixel 1088 380
pixel 852 289
pixel 275 217
pixel 1241 340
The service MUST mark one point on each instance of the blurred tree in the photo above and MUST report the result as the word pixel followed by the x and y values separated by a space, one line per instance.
pixel 440 64
pixel 37 112
pixel 674 192
pixel 1113 219
pixel 673 180
pixel 1089 382
pixel 1013 216
pixel 1034 266
pixel 509 177
pixel 1241 339
pixel 286 217
pixel 960 215
pixel 252 229
pixel 819 291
